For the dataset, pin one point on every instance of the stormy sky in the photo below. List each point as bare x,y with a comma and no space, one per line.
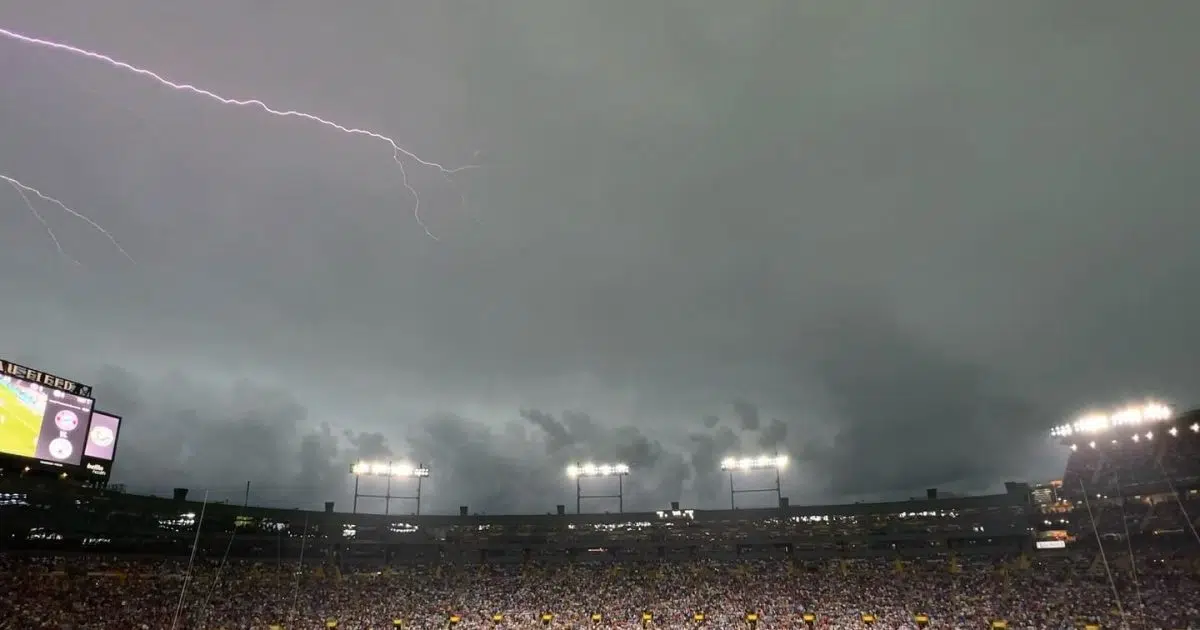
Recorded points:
896,240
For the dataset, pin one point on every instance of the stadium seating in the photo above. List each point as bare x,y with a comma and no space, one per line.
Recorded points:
77,557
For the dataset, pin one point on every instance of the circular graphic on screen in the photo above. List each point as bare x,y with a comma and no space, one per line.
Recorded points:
66,420
60,448
102,436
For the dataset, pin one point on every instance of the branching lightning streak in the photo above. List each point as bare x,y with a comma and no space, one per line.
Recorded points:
397,150
37,215
24,188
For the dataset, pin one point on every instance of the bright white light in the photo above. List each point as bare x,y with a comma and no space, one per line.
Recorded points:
1173,431
1128,416
760,462
597,470
1092,423
1195,427
388,469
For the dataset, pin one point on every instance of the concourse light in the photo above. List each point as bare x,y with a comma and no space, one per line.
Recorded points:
761,462
1195,427
388,469
597,470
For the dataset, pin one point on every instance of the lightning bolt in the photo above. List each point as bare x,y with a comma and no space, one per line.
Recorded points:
24,191
37,215
398,152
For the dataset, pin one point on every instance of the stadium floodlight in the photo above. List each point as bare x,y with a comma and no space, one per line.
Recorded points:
388,471
590,470
1130,416
734,465
761,462
597,470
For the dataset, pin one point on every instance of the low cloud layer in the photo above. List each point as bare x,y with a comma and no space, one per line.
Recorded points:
889,410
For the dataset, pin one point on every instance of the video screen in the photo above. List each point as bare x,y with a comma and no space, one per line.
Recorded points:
42,423
102,437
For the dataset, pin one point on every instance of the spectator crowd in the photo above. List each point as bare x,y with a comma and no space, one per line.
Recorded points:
1154,589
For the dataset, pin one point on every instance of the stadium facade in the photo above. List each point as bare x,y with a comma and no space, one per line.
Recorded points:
66,518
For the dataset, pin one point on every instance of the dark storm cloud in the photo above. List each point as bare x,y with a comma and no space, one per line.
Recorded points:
706,456
747,414
773,434
557,436
905,232
906,410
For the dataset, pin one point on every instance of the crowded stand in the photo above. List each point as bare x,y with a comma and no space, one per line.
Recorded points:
1113,544
49,591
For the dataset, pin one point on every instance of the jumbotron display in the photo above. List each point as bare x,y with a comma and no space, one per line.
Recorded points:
102,437
101,445
43,423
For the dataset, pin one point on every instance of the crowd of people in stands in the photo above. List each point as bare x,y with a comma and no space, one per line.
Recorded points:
1066,591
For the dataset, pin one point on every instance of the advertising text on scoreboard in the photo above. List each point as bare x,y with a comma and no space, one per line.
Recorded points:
17,370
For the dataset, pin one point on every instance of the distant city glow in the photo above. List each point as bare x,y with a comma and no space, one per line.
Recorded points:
761,462
597,470
388,469
1133,415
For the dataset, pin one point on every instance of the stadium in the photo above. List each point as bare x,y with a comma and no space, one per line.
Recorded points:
1113,543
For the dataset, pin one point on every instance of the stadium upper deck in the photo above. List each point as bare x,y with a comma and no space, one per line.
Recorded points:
1135,460
33,516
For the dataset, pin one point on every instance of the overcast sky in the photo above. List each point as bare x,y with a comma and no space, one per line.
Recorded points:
897,240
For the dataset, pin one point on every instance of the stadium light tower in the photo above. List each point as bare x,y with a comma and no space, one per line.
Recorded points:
1130,418
389,471
733,465
579,471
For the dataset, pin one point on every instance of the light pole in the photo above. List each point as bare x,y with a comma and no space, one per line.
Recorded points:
389,471
579,471
734,465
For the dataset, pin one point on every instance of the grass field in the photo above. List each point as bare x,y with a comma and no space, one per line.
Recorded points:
20,422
